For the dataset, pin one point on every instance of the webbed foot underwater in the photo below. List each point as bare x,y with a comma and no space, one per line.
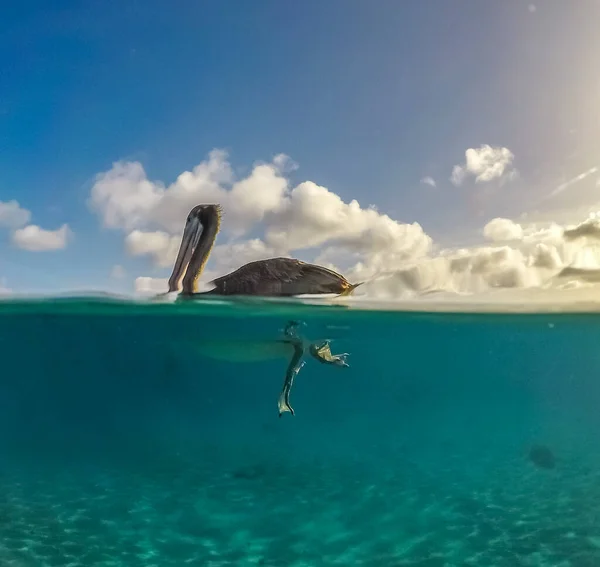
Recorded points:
323,354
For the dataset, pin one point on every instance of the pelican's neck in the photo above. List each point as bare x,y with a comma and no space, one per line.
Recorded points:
200,256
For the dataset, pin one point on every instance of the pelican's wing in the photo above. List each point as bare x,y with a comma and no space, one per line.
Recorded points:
280,276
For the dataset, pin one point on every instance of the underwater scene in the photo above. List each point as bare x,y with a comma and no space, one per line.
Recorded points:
143,434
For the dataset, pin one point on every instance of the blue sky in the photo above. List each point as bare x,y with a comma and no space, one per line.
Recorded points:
368,98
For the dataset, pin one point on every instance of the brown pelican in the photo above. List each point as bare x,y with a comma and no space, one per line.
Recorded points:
272,277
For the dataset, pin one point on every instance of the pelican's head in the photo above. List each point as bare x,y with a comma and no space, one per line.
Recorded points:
201,225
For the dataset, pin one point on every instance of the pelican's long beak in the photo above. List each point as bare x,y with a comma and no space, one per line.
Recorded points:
191,235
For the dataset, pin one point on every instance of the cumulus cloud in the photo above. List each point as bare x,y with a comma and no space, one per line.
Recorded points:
145,285
254,197
428,181
126,199
500,229
284,163
589,228
30,237
485,163
124,195
311,215
543,257
12,215
160,246
36,239
148,286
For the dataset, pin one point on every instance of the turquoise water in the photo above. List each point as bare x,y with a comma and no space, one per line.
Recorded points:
148,435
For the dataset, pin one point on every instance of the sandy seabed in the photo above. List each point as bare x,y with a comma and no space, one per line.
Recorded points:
214,513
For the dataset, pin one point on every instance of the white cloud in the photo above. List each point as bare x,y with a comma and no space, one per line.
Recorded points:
547,258
29,236
124,195
126,199
589,228
160,246
150,286
485,163
12,215
311,215
284,163
250,199
428,181
117,272
500,229
36,239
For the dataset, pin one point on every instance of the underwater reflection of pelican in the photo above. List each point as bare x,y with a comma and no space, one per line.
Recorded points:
243,351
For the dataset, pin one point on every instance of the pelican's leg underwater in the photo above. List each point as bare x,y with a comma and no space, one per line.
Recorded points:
295,365
321,352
